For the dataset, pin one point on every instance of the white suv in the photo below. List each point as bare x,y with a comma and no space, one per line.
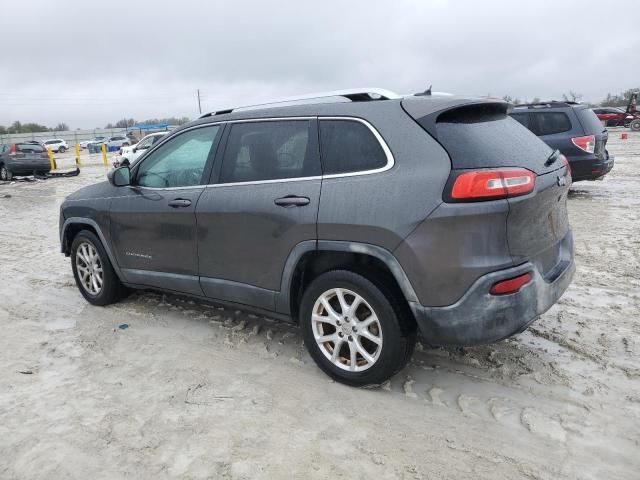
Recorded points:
56,145
132,152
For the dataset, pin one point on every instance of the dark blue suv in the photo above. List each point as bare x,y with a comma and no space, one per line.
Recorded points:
575,130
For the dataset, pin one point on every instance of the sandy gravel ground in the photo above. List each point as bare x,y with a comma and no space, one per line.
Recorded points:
197,391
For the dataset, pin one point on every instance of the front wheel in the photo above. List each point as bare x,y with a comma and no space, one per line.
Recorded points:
635,125
62,150
352,329
93,272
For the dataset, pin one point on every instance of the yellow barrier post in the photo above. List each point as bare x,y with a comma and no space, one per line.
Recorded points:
104,155
77,155
52,161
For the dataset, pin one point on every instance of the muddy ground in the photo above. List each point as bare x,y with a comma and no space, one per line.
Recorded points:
191,390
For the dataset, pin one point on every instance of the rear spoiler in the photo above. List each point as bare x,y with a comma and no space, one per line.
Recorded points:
427,111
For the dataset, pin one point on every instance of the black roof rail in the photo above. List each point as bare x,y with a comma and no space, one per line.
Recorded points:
355,95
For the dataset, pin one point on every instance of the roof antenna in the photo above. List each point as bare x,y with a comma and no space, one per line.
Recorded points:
426,93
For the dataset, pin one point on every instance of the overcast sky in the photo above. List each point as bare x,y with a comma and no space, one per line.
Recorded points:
89,63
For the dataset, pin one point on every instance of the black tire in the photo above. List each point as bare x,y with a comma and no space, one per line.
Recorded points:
5,173
635,125
112,289
62,150
398,340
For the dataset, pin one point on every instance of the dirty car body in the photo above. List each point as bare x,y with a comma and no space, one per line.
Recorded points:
461,220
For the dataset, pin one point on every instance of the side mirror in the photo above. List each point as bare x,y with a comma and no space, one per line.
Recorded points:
119,177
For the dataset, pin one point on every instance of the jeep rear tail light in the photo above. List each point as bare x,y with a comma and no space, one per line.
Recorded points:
13,149
586,144
512,285
492,184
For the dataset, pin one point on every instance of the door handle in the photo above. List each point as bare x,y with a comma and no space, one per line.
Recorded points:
292,201
179,202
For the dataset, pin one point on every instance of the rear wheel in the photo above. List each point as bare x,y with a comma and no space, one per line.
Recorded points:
352,329
635,125
5,174
93,272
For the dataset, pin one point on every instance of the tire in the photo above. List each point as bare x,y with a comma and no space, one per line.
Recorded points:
84,246
5,174
386,356
635,125
62,150
124,145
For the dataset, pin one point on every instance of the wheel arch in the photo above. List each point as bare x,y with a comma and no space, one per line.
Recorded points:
310,259
74,225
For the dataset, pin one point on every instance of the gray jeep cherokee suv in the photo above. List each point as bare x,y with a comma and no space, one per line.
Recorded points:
366,221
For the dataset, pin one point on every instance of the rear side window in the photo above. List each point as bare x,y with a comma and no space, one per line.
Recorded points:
589,120
549,123
479,137
270,150
349,146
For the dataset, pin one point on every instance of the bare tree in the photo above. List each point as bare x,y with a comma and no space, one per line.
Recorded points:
572,97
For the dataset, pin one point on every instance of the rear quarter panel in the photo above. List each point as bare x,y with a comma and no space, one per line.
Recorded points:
383,208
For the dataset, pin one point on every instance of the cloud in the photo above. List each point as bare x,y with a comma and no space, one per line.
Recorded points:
88,63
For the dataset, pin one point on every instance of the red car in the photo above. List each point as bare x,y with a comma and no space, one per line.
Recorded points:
613,116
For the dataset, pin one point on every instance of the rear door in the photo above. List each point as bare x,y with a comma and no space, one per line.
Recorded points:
264,201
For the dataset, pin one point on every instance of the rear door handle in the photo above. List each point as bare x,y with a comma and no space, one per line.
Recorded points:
179,203
291,201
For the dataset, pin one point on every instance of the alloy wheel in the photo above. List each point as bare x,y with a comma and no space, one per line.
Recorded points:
89,268
347,329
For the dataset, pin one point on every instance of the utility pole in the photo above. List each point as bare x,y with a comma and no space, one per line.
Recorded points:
199,107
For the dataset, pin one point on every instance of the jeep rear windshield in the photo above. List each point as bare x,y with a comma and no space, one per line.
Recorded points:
589,120
482,136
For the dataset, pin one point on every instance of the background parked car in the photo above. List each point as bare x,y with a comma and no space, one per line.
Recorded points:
132,152
23,159
57,145
613,116
575,130
85,143
118,141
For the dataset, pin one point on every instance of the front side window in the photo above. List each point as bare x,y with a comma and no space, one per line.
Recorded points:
270,150
349,146
180,162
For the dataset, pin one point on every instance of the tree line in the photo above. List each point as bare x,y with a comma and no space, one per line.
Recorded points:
32,127
19,127
611,100
130,122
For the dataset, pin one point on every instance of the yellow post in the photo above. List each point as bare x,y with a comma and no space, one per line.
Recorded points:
104,155
77,155
52,160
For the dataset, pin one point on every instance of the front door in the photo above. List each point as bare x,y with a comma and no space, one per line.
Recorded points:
153,226
264,202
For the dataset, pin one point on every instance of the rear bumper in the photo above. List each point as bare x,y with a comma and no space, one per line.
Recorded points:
28,167
480,318
589,167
